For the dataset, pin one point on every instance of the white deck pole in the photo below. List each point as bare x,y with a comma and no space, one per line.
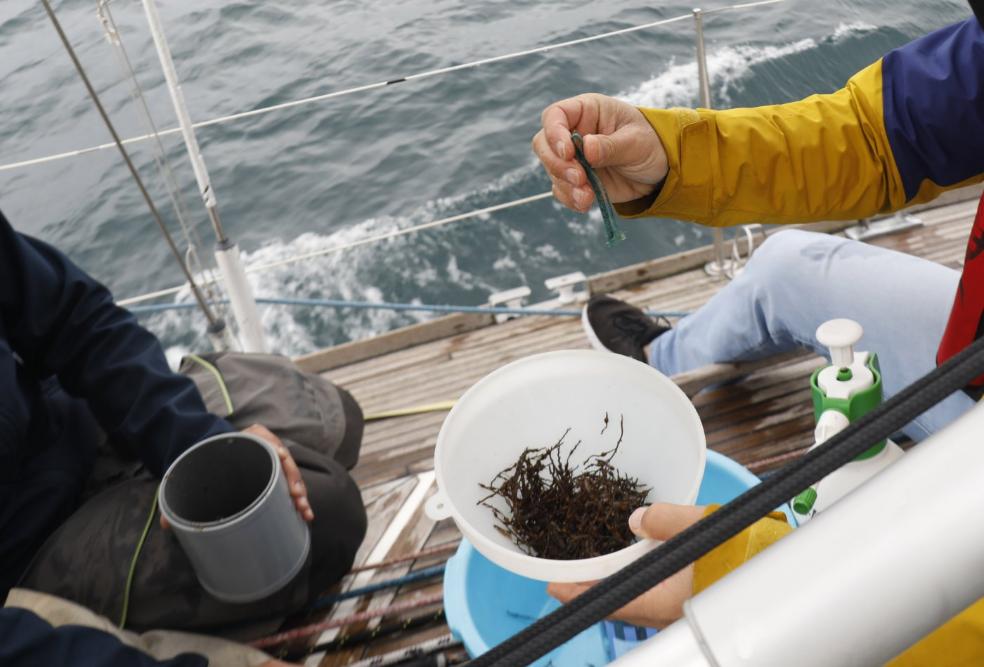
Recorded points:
227,252
240,297
890,562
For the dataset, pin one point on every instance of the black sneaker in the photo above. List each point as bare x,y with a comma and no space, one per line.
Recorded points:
618,327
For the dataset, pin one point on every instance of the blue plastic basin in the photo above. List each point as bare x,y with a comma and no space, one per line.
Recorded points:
485,604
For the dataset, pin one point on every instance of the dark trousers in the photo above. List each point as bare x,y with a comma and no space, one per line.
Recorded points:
103,500
48,486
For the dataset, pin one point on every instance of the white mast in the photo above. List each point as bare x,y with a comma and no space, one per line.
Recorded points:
227,252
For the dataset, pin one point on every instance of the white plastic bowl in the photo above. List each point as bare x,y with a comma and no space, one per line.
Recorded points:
530,403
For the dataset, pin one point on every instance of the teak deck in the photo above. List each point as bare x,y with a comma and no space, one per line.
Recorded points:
760,415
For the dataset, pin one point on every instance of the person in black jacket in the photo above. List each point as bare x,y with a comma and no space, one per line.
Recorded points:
74,366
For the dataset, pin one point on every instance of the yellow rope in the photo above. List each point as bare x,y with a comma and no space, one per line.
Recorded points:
133,561
218,378
443,406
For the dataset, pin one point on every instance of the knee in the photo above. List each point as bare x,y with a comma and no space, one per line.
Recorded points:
789,255
348,451
339,524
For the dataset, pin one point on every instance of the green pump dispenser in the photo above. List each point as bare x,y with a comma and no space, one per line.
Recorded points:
854,397
854,407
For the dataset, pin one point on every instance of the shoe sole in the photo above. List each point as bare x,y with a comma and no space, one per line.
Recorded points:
593,339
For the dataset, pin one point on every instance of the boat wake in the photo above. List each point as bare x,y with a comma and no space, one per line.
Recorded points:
436,266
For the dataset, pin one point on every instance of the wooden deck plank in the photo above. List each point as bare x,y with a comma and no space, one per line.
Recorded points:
528,328
394,340
437,350
381,511
404,429
413,532
444,532
447,381
395,465
549,336
745,446
760,380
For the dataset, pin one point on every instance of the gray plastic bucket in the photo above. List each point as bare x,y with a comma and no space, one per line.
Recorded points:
228,504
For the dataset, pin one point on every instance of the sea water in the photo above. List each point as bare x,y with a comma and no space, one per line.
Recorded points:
332,172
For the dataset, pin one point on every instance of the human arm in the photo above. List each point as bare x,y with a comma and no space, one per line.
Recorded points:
61,322
900,132
662,605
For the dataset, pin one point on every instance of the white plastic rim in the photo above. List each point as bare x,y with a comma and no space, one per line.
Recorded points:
530,403
228,504
240,515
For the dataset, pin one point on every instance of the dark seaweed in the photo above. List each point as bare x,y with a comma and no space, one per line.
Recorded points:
562,511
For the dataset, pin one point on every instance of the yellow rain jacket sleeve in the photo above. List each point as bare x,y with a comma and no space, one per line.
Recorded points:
739,548
826,157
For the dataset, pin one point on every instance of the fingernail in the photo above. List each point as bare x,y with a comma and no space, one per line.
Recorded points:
571,176
298,484
579,197
561,149
309,515
635,520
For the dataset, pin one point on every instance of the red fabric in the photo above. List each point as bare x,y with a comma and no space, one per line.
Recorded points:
966,323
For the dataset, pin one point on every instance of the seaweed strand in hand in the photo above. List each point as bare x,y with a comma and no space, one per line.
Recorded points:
562,511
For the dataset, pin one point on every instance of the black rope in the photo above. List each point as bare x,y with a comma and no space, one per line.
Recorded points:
686,547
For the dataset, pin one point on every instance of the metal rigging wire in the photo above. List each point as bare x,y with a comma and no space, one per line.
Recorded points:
192,239
213,321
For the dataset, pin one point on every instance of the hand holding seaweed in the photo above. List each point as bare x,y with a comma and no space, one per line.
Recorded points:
613,234
562,511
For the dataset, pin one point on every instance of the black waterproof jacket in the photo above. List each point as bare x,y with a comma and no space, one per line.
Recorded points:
61,331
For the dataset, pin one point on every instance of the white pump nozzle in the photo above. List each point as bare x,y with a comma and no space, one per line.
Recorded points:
840,336
831,423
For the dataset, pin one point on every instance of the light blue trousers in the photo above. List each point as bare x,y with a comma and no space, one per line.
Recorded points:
796,281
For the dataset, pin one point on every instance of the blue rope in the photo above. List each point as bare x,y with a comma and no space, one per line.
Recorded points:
374,305
329,600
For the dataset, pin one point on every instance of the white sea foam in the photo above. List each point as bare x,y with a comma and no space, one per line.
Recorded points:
425,276
547,251
845,30
457,276
505,263
677,84
343,275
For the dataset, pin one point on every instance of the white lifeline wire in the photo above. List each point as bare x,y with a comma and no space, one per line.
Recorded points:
365,87
743,5
347,246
